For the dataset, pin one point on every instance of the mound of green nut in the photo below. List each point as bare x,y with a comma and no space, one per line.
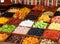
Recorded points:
7,28
40,24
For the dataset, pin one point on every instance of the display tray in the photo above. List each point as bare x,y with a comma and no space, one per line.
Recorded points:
30,24
14,38
19,39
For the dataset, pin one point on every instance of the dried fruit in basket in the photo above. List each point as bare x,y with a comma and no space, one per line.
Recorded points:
21,14
27,23
3,20
13,10
3,36
57,13
14,21
54,26
40,24
47,41
49,13
7,28
30,40
56,19
31,17
50,34
8,14
58,9
35,31
14,39
39,7
44,18
21,30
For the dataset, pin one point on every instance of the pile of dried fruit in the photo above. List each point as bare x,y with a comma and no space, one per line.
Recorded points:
30,40
21,14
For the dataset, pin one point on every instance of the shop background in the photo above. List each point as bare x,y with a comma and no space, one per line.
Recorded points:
33,2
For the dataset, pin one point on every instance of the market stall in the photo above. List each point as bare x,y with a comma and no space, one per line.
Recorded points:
30,24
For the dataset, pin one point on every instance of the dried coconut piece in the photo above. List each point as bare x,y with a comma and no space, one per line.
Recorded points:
21,30
27,23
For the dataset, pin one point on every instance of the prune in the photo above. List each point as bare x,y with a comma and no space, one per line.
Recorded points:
8,14
57,13
36,31
31,17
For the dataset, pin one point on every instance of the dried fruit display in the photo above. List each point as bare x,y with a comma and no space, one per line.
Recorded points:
21,30
40,24
7,14
7,28
13,10
50,34
47,41
31,17
27,23
40,8
30,40
21,14
54,26
58,9
57,13
56,19
36,32
49,13
14,21
44,18
3,36
3,20
14,39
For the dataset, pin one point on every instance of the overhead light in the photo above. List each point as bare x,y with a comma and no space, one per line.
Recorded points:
2,1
